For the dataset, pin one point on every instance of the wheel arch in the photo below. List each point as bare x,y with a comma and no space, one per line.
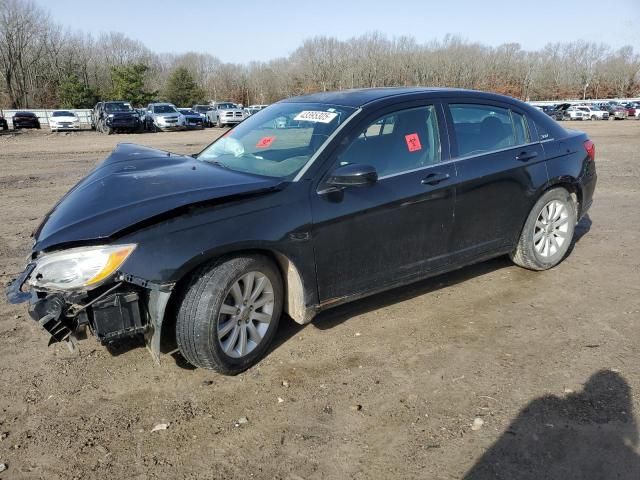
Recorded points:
571,185
568,183
295,289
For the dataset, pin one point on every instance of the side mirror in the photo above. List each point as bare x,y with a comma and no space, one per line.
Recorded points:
352,175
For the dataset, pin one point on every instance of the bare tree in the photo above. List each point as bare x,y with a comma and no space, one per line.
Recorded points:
37,55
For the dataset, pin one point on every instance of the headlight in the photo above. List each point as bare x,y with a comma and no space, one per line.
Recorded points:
84,267
110,115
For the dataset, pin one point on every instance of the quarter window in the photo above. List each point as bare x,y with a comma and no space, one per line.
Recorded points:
398,142
484,128
520,128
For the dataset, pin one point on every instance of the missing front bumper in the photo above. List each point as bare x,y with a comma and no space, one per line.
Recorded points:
133,307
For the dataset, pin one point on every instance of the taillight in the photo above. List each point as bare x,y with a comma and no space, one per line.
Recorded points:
590,147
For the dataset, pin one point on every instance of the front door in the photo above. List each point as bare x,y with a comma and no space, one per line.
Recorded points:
370,237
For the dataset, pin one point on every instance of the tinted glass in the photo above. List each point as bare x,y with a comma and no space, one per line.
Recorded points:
164,109
278,141
520,128
117,107
62,113
483,128
398,142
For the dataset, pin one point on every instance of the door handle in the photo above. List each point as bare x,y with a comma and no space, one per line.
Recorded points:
526,156
435,178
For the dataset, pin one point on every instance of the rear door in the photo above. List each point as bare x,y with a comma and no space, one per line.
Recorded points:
500,167
369,237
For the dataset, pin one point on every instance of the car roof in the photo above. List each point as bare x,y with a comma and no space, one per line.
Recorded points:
362,96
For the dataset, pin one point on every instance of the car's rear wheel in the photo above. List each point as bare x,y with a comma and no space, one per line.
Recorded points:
548,231
230,313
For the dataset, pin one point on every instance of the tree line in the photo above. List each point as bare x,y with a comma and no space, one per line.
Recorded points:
45,65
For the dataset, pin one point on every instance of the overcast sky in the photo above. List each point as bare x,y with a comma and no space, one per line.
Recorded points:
245,30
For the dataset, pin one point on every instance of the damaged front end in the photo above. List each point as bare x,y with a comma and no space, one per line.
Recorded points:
71,290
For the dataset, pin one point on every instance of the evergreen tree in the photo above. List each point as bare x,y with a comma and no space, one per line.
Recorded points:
128,84
72,93
182,90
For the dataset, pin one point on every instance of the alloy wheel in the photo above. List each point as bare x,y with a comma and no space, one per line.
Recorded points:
245,314
551,230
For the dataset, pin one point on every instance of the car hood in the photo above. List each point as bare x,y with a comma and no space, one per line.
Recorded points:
224,110
174,114
63,119
137,184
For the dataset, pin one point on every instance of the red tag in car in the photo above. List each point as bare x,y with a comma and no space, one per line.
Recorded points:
264,142
413,142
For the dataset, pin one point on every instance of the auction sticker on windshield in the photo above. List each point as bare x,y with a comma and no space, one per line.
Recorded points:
264,142
312,116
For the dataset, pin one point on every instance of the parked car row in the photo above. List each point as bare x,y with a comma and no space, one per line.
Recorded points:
592,111
110,117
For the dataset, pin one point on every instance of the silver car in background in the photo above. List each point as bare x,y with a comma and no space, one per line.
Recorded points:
224,114
164,116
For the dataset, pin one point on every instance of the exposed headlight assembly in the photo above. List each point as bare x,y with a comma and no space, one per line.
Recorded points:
78,268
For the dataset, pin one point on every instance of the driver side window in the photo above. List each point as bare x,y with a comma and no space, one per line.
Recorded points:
398,142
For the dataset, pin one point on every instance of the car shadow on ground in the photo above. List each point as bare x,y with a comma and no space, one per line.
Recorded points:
590,434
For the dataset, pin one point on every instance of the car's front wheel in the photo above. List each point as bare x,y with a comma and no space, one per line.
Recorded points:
230,313
548,231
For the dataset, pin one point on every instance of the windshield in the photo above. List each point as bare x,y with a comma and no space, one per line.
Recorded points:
186,111
117,107
277,141
164,109
63,113
203,108
223,106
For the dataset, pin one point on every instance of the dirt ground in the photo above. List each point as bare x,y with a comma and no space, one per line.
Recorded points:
461,376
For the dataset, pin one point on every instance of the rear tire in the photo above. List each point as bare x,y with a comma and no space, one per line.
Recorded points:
548,232
220,324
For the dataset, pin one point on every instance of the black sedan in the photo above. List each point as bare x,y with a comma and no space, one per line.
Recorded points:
25,120
372,189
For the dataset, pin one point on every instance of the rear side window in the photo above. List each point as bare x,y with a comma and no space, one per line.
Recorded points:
484,128
398,142
520,128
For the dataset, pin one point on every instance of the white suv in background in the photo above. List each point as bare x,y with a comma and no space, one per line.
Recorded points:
224,114
574,113
594,113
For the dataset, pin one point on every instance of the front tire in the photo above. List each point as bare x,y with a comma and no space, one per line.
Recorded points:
230,313
548,231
